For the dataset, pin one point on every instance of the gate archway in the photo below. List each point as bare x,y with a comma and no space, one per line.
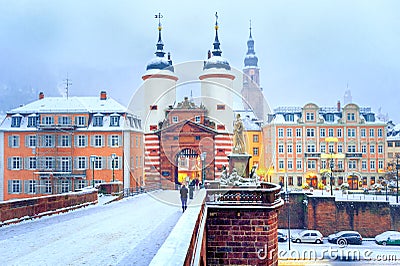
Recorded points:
187,166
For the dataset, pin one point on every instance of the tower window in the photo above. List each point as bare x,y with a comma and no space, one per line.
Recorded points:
153,107
220,106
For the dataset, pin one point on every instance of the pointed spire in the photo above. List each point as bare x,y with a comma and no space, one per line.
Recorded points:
251,58
217,50
160,45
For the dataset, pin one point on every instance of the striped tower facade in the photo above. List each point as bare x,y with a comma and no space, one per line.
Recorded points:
223,147
152,160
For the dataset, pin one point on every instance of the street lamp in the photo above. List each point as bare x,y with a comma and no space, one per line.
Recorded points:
203,156
93,159
331,165
113,156
288,206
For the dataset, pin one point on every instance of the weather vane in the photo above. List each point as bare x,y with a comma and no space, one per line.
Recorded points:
159,16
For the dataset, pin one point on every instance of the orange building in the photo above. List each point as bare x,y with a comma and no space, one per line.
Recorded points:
305,144
61,144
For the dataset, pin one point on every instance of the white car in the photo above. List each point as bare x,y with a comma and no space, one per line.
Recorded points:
308,236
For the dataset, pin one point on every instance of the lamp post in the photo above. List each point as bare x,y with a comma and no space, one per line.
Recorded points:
113,156
93,159
397,178
203,156
288,206
331,165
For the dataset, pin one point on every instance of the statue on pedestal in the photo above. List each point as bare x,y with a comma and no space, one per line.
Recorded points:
238,136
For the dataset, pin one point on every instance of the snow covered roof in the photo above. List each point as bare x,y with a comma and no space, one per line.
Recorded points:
159,63
71,105
216,62
394,133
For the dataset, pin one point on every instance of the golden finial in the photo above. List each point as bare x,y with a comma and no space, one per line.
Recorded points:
216,20
159,16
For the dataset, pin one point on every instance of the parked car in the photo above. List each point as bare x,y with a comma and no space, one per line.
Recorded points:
345,237
308,236
282,237
388,238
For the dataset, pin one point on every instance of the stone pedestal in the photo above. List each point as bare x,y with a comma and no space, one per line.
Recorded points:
240,162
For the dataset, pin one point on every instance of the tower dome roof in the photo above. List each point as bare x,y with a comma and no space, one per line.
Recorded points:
216,60
159,61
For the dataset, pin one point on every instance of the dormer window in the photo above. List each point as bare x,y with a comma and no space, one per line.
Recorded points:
16,120
98,120
174,119
309,116
197,119
351,117
80,121
32,120
114,120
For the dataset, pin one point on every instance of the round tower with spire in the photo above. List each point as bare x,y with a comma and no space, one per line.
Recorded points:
217,86
253,98
159,85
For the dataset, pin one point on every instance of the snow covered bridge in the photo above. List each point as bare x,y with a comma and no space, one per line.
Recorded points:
127,232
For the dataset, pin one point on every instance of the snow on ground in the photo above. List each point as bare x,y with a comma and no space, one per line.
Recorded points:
127,232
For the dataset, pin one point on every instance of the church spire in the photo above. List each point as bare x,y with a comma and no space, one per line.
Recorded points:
251,59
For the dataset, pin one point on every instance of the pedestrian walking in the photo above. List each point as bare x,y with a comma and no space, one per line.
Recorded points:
184,195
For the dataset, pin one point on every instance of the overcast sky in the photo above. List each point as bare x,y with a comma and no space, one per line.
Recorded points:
308,50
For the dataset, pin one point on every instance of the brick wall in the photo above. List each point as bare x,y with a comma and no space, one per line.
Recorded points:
297,213
14,211
240,236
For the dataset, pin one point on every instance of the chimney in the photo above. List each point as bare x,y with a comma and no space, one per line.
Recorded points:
103,95
41,95
338,106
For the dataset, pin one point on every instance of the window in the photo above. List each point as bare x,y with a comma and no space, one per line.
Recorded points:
197,119
48,163
15,163
81,163
340,164
351,117
280,164
113,141
380,164
372,164
331,148
79,184
13,141
255,151
298,148
115,162
290,164
323,164
310,132
153,107
64,141
31,163
372,132
311,164
14,186
64,120
280,148
221,107
64,186
380,148
97,141
290,180
372,148
380,132
364,165
80,121
298,132
255,138
114,120
330,132
372,180
351,148
309,116
98,163
32,121
352,164
322,148
64,164
81,141
30,186
340,148
16,121
290,148
30,141
280,132
175,119
289,132
311,148
137,141
47,141
339,132
299,164
364,149
289,117
322,132
47,187
299,181
351,132
47,120
363,134
98,120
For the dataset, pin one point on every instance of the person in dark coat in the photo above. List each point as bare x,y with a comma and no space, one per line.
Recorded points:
184,195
